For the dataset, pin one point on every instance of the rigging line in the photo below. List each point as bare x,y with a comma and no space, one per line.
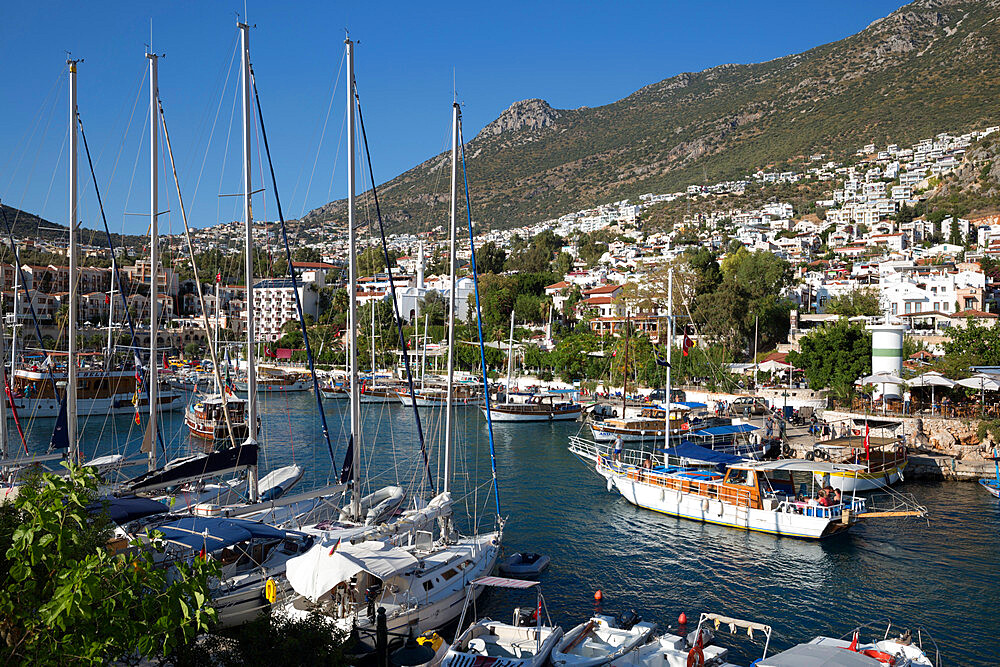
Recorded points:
138,93
392,288
34,163
215,120
131,182
27,137
291,273
128,126
479,317
322,136
111,249
213,353
222,174
27,297
336,160
48,193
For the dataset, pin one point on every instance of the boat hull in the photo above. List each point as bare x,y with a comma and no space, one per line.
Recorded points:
276,388
863,481
501,416
992,487
696,507
48,408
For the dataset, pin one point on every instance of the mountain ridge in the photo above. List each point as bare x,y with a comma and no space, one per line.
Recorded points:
922,69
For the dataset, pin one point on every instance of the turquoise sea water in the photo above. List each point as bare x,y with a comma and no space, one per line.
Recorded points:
943,576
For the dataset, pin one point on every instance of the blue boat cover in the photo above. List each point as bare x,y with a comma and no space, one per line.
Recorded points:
212,533
730,429
691,451
127,508
691,404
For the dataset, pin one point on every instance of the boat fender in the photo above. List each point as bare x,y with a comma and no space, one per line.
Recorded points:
704,505
271,591
611,484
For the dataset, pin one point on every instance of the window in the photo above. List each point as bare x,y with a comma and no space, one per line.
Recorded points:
907,307
895,308
736,476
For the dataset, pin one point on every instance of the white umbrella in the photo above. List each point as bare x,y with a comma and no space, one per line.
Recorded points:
883,379
931,379
982,382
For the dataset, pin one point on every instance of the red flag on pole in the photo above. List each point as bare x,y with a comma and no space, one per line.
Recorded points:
218,277
868,431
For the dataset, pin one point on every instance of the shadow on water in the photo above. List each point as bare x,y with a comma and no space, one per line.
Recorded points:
942,576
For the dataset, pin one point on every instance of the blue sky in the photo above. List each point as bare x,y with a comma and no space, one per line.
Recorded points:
568,53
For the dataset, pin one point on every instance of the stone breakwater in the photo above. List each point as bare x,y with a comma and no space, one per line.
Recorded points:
941,448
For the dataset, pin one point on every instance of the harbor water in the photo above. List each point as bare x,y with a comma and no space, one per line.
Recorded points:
941,575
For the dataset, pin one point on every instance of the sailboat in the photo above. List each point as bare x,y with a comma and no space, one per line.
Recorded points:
542,407
201,482
419,579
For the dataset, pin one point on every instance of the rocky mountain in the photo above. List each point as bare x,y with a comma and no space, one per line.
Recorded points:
929,67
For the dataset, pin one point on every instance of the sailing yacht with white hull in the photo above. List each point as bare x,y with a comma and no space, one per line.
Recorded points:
420,580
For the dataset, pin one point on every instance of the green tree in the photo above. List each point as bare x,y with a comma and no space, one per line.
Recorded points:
976,344
834,356
372,260
68,598
434,307
860,301
490,258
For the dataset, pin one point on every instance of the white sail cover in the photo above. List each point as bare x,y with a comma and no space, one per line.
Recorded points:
439,505
318,570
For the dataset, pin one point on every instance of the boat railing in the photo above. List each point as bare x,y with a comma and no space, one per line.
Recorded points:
820,511
734,495
922,635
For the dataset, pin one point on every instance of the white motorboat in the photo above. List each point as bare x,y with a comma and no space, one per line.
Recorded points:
599,641
524,642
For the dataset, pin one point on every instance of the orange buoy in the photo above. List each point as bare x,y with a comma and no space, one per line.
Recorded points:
598,595
682,619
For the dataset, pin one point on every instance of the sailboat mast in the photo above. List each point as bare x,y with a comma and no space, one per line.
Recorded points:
249,252
625,367
670,344
73,218
423,357
452,297
154,256
510,357
4,448
352,318
13,328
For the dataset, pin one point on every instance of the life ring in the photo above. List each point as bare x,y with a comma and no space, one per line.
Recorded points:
696,657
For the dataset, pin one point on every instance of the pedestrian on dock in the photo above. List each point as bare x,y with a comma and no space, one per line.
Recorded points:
769,427
906,402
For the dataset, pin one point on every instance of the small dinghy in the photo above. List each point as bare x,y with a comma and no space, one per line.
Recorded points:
524,564
601,640
525,642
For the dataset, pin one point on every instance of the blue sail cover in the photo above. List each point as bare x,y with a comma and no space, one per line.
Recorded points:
212,533
692,452
123,509
730,429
